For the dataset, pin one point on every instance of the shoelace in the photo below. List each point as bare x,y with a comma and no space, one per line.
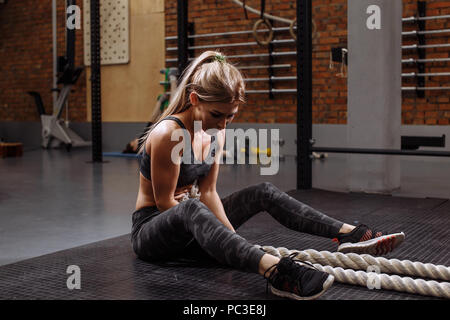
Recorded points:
300,273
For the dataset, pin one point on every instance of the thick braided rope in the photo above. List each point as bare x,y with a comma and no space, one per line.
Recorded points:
387,282
193,193
363,261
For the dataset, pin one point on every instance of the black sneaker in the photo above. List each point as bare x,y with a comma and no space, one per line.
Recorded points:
297,280
362,239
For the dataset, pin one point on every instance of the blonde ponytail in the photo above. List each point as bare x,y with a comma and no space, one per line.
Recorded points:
212,78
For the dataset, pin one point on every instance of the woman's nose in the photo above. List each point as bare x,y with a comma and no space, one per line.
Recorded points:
222,124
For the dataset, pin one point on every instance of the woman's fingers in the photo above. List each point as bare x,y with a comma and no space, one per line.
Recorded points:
180,196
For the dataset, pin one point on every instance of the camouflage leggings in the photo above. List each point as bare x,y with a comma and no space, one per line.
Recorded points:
190,224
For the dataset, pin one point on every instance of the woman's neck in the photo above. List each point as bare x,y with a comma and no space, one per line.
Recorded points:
188,119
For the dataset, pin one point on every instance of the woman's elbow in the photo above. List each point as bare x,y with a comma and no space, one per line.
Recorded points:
164,205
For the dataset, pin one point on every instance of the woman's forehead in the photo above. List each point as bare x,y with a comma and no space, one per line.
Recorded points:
224,107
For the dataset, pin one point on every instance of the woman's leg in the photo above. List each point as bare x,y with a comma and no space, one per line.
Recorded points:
166,235
243,204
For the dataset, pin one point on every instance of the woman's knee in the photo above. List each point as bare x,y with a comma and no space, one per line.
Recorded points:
267,189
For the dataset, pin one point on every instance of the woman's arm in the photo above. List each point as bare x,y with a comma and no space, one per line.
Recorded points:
213,202
207,186
164,169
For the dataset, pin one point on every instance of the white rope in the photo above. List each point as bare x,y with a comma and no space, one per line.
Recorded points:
387,282
193,193
268,16
363,261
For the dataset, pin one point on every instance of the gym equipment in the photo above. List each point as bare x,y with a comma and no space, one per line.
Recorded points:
338,260
193,192
54,130
421,47
183,48
265,22
419,89
11,149
339,58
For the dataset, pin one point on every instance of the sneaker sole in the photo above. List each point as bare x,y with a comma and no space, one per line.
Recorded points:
326,285
377,246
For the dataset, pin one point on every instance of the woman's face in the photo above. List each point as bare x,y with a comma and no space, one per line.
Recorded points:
218,115
215,115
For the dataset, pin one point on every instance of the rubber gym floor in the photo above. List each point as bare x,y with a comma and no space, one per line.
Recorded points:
57,209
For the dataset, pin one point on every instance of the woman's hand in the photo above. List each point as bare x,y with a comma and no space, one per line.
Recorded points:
182,192
180,196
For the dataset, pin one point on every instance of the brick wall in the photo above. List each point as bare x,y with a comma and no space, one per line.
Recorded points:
27,60
26,55
329,91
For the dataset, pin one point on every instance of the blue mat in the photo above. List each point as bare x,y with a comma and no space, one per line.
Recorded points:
122,155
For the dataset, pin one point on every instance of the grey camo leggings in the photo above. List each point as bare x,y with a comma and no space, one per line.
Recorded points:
191,227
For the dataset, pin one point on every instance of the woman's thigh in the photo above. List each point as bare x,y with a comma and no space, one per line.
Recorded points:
164,235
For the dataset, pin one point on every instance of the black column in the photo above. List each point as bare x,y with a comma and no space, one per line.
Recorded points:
96,83
304,94
182,23
422,11
70,39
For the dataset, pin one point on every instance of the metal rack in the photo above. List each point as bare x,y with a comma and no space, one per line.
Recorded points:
271,54
423,18
421,47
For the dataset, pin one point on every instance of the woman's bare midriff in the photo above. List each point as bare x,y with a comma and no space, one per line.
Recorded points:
146,197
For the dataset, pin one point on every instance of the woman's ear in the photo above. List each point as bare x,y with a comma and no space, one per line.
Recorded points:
193,98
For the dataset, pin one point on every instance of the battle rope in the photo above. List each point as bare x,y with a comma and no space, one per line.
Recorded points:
363,261
387,282
193,192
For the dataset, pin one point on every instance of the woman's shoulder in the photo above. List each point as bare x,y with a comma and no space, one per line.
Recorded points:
163,128
161,134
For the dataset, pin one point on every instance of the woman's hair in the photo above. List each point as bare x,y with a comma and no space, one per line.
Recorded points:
211,78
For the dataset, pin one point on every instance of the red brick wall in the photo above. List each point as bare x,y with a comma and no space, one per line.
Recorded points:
26,55
329,91
27,60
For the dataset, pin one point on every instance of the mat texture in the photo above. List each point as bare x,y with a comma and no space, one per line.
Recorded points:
110,270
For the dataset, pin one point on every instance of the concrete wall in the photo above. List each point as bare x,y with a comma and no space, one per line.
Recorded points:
129,92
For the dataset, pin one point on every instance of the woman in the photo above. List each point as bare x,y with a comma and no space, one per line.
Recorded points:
211,91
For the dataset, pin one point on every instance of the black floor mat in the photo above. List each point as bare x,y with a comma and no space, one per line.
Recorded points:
110,270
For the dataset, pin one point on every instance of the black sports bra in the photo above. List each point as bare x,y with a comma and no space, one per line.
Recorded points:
188,172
